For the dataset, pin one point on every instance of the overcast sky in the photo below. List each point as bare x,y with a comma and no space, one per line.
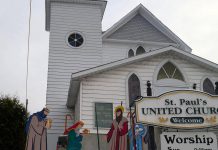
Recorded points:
194,21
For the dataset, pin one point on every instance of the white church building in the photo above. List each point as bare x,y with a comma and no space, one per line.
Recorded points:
89,67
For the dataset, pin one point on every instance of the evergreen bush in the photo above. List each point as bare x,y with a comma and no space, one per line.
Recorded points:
12,124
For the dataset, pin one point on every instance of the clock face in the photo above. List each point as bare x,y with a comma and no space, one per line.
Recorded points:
75,40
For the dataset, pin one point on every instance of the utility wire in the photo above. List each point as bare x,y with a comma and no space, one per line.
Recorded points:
28,51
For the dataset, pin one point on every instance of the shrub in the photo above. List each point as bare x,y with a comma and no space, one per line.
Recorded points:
12,124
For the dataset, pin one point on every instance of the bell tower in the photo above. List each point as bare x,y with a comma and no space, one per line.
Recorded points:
75,31
75,44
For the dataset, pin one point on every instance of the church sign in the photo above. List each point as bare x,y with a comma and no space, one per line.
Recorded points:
185,109
188,141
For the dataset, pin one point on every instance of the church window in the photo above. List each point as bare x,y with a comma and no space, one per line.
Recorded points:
104,113
208,86
130,53
134,88
140,50
75,40
170,71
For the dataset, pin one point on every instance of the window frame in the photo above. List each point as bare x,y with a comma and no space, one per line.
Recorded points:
140,53
170,82
202,82
169,76
127,87
95,125
78,32
128,53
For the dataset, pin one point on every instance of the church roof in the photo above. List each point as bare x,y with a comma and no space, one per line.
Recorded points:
138,28
170,49
142,26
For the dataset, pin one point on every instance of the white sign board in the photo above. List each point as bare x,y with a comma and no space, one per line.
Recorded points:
188,141
179,109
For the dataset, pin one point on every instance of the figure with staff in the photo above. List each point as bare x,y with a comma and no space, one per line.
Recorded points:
117,135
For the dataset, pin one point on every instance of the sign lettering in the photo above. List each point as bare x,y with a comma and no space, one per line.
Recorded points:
188,141
179,109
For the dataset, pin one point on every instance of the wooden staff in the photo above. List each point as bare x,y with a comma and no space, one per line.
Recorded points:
66,118
96,116
132,124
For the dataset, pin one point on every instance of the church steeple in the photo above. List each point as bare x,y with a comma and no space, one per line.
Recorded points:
75,44
75,27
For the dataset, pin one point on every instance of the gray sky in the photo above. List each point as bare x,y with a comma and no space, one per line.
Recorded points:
194,21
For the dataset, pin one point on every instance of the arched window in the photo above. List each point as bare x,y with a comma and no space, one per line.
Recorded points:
133,88
140,50
130,53
169,71
208,86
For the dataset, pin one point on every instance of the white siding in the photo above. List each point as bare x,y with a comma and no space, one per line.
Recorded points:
110,86
113,51
116,51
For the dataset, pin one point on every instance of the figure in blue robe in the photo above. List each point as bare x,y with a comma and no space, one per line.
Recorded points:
36,131
140,132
